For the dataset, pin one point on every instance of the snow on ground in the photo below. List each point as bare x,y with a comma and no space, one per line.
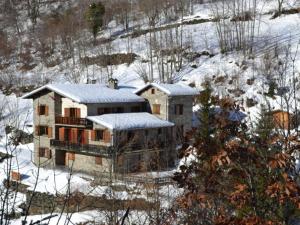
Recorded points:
89,217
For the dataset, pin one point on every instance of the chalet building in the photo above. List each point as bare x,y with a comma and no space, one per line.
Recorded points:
97,128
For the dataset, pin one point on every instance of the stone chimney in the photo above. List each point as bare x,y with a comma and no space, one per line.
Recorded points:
113,83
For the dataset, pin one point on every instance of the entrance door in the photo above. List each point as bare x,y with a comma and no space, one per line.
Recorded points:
60,158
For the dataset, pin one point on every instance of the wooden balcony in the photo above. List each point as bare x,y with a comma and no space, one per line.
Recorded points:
81,148
73,121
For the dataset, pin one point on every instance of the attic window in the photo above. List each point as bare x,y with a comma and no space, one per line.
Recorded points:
153,91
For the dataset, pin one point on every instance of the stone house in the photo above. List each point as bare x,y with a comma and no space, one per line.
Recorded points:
96,128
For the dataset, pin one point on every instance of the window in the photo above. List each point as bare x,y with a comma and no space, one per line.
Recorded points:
153,91
130,135
156,109
180,132
178,109
98,160
42,110
159,131
42,130
146,132
99,135
45,153
135,109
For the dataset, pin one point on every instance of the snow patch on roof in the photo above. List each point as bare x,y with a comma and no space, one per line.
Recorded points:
172,89
130,121
90,93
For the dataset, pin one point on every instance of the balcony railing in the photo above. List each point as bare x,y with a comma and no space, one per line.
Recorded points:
81,148
72,121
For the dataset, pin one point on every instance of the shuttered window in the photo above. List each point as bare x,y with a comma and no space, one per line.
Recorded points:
72,112
156,109
43,110
106,136
178,109
43,131
45,153
99,135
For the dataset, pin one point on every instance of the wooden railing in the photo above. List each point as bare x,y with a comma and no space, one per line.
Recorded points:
72,121
81,148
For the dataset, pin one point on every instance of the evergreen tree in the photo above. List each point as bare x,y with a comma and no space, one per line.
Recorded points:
94,16
265,124
205,114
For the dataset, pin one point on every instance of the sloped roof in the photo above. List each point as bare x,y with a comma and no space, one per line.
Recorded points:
129,121
171,89
89,93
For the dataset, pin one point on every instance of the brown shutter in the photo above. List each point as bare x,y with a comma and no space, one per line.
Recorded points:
41,152
71,156
37,130
106,136
46,110
93,135
48,153
38,109
49,132
67,112
78,113
61,134
74,136
86,137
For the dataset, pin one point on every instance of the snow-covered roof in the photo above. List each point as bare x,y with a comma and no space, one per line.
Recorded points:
171,89
233,115
130,121
89,93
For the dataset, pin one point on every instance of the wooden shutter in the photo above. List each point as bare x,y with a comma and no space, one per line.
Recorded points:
106,136
61,134
93,135
38,109
78,113
86,137
98,160
156,109
71,156
41,152
48,153
46,110
37,130
74,136
67,112
49,132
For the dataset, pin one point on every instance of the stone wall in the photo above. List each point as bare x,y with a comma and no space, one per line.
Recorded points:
43,141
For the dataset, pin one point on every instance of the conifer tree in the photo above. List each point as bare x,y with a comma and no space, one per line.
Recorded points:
94,16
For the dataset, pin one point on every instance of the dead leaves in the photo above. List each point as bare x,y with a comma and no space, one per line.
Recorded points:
280,160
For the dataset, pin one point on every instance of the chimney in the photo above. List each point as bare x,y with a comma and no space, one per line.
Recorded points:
113,83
